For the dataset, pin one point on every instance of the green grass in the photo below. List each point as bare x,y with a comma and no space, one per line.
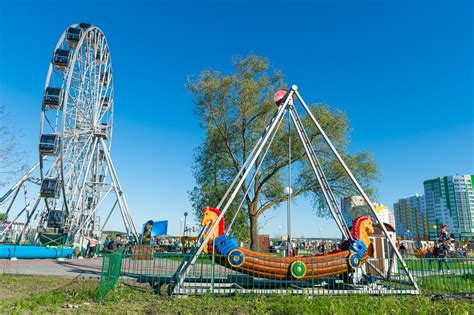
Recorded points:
200,260
423,264
443,284
50,294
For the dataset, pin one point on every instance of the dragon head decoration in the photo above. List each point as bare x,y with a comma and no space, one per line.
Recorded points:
362,228
209,216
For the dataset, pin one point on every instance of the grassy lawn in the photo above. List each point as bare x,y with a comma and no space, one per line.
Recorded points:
451,284
200,260
20,294
423,264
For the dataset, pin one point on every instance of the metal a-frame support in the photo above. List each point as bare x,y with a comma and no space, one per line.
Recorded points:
121,201
232,191
13,193
359,188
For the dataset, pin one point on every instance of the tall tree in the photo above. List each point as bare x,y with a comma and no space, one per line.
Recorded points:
234,109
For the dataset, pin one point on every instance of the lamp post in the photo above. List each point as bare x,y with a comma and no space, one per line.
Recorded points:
181,233
408,234
288,192
184,230
279,232
184,233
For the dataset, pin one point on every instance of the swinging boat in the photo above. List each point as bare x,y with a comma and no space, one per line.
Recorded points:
355,249
349,256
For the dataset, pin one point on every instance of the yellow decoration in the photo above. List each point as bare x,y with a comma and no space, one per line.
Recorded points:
366,229
209,216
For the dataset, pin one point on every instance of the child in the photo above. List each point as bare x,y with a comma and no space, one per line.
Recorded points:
443,234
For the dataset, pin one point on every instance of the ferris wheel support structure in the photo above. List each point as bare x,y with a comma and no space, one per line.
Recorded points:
75,172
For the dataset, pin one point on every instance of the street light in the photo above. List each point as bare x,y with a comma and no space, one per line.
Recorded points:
288,192
320,229
181,226
184,230
279,231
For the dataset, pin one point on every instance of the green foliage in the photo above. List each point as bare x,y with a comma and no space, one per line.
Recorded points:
234,109
3,217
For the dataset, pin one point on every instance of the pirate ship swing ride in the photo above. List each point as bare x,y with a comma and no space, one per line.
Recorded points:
355,249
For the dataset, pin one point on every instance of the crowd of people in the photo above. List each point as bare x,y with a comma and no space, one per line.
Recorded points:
438,250
443,248
304,246
91,247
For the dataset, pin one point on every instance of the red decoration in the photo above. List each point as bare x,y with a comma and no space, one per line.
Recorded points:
356,225
221,222
279,95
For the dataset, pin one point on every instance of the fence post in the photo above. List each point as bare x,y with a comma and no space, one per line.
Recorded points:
213,265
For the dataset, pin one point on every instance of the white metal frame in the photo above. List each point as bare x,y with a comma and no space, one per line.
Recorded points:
83,166
289,106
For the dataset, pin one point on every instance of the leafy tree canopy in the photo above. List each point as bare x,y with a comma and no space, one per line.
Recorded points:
234,109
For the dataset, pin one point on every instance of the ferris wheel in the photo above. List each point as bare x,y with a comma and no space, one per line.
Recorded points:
76,172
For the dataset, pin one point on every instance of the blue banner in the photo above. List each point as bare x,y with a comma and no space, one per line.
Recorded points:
151,229
159,228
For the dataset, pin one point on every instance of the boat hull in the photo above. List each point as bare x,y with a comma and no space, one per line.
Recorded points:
272,267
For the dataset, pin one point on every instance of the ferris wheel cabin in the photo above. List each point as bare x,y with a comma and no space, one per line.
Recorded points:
105,78
99,56
49,144
73,34
55,219
105,102
84,26
52,98
61,58
50,188
103,130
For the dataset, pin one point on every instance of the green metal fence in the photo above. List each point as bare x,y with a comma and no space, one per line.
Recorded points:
111,272
152,273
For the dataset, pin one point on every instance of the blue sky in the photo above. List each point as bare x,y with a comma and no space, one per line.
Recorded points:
402,71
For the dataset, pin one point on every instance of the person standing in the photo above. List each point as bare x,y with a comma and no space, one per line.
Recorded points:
430,255
443,257
92,246
117,243
105,248
443,233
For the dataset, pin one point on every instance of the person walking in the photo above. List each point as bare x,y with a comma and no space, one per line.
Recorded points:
443,257
430,255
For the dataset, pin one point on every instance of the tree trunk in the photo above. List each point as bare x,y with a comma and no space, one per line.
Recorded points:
253,218
253,231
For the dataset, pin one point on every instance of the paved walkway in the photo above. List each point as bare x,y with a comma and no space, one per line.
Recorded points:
69,267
